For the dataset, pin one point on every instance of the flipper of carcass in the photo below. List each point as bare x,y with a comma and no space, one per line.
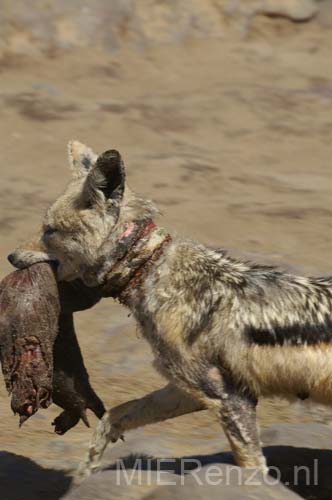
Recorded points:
40,356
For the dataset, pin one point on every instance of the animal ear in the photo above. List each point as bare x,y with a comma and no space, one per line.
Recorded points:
81,158
107,178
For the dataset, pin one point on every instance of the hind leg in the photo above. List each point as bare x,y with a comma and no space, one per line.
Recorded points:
237,408
238,419
168,402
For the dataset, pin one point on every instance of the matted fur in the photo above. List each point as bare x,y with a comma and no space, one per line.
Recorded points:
223,331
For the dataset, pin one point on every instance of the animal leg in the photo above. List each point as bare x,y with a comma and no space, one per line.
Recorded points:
237,407
168,402
238,419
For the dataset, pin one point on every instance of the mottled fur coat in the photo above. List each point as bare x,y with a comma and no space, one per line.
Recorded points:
223,332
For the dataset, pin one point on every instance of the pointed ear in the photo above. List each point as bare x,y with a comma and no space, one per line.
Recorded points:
81,158
106,181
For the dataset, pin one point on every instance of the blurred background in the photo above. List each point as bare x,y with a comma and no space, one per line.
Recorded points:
222,112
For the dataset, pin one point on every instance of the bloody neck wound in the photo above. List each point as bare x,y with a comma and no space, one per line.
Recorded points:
140,245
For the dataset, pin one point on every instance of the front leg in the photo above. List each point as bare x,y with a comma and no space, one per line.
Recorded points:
168,402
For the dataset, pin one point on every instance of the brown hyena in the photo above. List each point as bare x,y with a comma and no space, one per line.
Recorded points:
223,332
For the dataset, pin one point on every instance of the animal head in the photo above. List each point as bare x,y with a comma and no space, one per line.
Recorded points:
93,211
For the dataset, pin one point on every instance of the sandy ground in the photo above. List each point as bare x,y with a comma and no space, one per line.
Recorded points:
231,137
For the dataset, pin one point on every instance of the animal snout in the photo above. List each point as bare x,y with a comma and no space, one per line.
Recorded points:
12,258
15,258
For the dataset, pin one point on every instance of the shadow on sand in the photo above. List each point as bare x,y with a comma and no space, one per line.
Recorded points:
23,479
305,471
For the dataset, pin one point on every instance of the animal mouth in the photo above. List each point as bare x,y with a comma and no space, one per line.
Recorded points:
65,274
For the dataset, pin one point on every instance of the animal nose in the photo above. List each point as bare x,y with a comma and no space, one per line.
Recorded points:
11,258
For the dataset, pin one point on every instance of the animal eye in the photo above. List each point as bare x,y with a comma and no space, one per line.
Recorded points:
49,230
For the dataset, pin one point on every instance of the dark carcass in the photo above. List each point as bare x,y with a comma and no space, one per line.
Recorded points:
40,355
